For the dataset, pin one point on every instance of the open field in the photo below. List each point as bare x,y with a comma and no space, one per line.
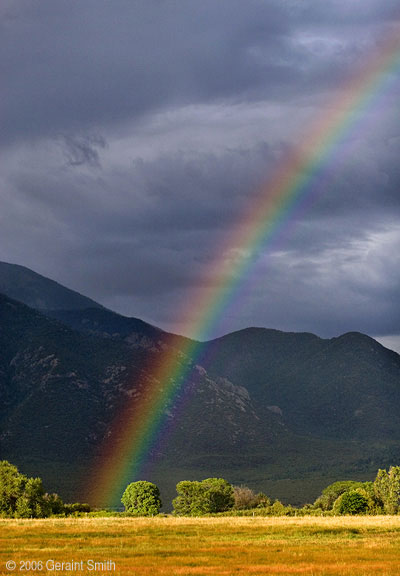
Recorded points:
353,546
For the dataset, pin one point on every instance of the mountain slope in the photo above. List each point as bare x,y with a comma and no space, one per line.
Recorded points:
39,292
346,387
109,324
61,391
77,311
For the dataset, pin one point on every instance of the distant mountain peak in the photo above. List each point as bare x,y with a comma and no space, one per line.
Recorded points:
37,291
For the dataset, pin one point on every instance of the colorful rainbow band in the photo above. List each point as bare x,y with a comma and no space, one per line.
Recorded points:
138,428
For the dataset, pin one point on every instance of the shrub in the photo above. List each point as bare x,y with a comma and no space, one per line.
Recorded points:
332,492
141,498
76,509
351,502
277,509
262,500
246,499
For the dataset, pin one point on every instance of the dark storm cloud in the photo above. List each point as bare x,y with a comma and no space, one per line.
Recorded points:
81,150
136,134
74,65
166,214
84,64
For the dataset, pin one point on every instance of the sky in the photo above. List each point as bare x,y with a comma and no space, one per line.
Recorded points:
136,134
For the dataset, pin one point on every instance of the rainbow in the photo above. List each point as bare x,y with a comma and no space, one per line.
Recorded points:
140,426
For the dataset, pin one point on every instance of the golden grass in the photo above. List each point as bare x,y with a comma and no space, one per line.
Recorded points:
345,546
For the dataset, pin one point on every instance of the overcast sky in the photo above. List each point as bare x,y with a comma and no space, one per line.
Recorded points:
135,135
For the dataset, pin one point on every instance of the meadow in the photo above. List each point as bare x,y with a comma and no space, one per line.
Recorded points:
353,546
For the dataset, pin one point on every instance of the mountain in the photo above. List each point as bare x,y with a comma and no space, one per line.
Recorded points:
75,310
345,387
109,324
286,413
38,291
61,390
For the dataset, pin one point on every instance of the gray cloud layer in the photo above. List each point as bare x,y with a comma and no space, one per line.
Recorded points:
136,134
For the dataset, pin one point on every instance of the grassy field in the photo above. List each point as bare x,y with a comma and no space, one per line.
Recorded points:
353,546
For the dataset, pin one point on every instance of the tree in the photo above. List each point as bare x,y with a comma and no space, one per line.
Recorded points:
55,503
387,489
351,502
142,498
219,494
12,485
332,492
246,498
22,497
262,500
210,496
190,501
32,502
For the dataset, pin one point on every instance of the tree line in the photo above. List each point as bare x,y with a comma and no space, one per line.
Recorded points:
217,496
23,497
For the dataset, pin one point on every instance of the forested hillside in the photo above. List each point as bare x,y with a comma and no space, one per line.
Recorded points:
286,413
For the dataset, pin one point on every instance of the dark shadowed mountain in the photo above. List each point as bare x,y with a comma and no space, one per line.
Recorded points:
39,292
60,391
345,387
74,310
283,412
108,324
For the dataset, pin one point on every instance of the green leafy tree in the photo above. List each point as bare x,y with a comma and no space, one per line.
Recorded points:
262,500
23,497
332,492
12,485
387,489
219,494
32,502
189,501
56,505
277,509
375,505
142,498
210,496
351,502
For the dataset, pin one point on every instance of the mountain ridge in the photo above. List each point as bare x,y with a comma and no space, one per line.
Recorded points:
25,285
285,412
52,375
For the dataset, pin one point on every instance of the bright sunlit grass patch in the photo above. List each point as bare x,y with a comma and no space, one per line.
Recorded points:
344,546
